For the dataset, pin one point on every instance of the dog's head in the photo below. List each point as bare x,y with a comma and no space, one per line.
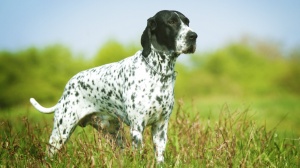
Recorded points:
168,32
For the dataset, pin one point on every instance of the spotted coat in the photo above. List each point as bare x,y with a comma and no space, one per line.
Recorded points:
138,91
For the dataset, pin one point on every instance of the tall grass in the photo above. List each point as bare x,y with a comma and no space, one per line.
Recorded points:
234,140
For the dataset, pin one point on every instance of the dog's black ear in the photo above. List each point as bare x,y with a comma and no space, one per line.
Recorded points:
146,37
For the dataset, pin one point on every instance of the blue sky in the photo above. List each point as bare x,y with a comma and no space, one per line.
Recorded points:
85,25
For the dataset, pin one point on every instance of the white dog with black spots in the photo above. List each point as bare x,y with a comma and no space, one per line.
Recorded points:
138,90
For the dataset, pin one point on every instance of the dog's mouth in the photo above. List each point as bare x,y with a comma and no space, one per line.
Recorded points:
190,49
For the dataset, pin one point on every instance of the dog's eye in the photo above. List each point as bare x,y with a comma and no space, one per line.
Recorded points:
172,22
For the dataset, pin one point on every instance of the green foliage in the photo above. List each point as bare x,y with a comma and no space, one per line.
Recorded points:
290,80
239,70
36,73
113,51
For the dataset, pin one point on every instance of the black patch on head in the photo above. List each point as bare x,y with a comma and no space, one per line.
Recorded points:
161,31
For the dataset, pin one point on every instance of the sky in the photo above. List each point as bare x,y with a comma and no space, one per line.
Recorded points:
84,26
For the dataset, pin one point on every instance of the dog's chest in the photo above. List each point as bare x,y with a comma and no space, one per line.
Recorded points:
148,96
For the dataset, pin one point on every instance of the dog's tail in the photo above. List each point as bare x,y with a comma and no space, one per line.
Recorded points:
41,108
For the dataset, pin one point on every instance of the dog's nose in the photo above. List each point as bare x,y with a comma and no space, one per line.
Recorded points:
192,35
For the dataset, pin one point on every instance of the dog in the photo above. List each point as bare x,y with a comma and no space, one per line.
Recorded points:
138,91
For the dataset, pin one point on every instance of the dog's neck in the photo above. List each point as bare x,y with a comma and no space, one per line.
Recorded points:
161,63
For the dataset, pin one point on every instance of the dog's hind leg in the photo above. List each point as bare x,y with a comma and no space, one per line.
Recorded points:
62,130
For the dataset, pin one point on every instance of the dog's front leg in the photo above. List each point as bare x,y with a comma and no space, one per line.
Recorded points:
136,132
159,136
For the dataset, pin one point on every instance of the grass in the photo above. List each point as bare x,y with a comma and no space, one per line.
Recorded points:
280,112
195,139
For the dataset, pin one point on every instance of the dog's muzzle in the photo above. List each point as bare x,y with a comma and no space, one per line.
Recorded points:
191,42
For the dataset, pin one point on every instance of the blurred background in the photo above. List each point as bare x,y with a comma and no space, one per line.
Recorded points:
248,53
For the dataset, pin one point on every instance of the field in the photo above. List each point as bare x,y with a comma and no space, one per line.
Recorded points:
237,106
204,132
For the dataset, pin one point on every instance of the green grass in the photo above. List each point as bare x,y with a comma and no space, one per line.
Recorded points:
281,113
225,135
